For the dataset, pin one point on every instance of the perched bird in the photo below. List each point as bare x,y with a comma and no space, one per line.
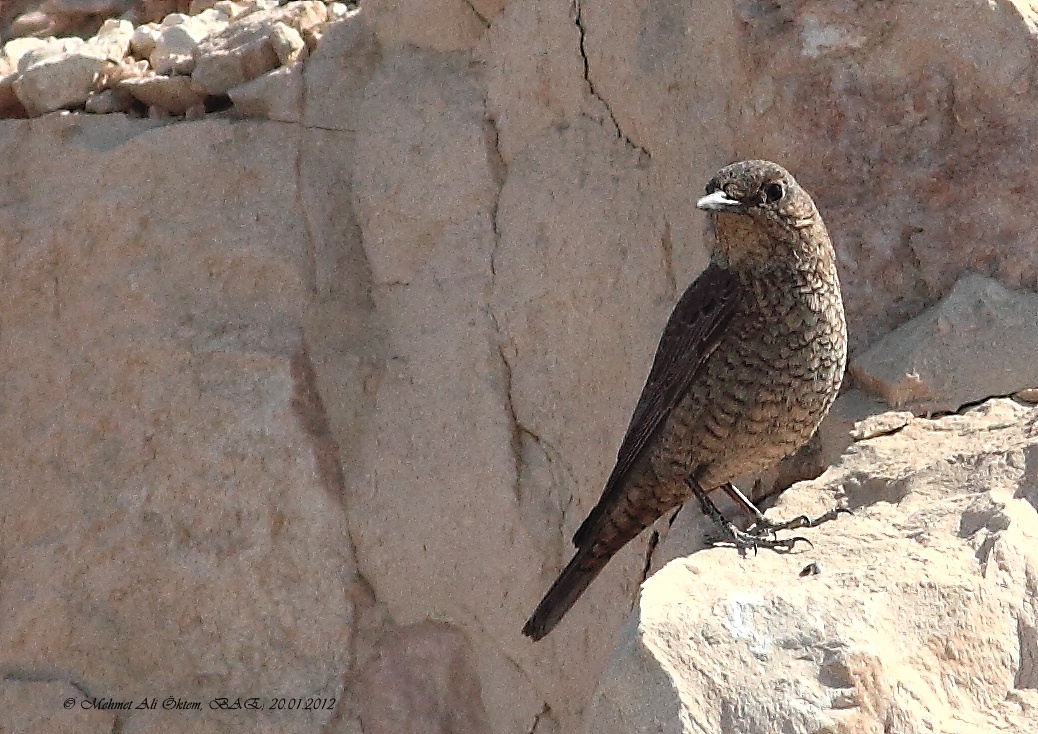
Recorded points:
749,363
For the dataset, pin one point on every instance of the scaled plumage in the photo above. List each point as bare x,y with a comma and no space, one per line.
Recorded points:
749,363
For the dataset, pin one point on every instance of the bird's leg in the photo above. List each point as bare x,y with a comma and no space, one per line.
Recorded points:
763,526
744,502
732,534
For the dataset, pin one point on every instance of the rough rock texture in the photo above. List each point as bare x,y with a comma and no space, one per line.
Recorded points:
172,508
980,340
310,403
57,17
916,614
911,124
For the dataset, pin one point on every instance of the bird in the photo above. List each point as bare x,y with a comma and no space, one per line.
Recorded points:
749,362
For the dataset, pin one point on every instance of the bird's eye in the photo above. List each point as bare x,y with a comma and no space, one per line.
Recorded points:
773,192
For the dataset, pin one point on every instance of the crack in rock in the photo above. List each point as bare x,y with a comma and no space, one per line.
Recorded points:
576,10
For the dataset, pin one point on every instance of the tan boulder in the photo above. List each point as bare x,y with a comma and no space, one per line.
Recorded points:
915,614
172,517
978,341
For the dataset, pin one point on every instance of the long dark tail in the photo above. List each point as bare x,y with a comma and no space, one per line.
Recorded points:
572,582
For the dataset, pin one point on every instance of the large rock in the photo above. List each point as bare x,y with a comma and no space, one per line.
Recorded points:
447,542
916,614
58,82
979,341
908,122
173,519
476,219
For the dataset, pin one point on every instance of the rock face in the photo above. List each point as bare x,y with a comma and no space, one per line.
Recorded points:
978,340
173,503
916,614
309,404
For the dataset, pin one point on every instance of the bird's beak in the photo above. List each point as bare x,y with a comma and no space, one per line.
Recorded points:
720,202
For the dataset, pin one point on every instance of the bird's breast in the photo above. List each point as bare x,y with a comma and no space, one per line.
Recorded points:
765,388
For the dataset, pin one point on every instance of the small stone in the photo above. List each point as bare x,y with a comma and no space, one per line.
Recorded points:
174,49
33,22
107,102
1028,395
226,62
113,40
57,82
276,95
50,47
15,49
229,8
244,50
174,19
881,425
197,6
340,11
144,38
975,343
172,94
288,44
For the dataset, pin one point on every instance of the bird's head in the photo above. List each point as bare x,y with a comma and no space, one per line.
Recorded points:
760,214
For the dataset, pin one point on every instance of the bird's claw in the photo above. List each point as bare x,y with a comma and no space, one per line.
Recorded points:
744,540
769,528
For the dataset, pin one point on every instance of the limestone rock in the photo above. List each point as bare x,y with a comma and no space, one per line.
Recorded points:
977,342
32,53
55,74
423,673
170,483
244,50
144,39
113,39
174,94
340,11
920,619
907,119
288,44
63,17
337,72
232,9
58,81
16,48
423,192
276,95
424,309
178,39
419,172
438,25
534,72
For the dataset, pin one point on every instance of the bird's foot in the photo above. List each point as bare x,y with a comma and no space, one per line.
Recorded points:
744,540
731,534
764,527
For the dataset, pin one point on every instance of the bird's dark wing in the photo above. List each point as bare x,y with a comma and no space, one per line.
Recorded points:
691,334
